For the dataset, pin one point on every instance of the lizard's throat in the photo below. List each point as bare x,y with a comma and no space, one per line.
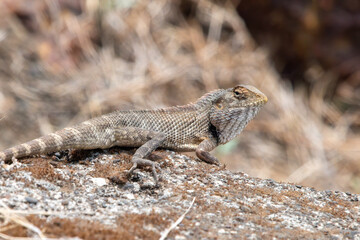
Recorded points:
233,122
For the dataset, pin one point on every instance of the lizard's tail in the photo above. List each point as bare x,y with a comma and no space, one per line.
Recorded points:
49,143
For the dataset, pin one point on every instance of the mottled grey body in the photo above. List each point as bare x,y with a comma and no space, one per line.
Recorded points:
214,119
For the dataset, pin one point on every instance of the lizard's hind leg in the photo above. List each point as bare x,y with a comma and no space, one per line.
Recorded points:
150,141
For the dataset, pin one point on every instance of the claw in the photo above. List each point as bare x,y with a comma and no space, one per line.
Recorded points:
157,165
155,175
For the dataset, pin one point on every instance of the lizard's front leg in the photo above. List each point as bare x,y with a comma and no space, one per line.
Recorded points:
152,141
202,151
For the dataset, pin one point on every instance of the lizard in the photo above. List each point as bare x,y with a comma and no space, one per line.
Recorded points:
214,119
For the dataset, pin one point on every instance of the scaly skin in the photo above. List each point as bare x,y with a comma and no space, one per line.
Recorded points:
214,119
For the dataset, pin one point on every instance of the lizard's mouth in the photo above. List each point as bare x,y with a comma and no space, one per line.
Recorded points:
254,103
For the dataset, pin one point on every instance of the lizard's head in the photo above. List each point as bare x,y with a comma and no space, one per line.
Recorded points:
232,111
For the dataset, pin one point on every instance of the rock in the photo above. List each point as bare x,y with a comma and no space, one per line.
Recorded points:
99,181
31,200
230,205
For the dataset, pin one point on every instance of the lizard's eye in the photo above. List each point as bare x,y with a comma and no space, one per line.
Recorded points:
239,94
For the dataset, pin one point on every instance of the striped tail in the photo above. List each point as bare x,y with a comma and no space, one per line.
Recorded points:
49,143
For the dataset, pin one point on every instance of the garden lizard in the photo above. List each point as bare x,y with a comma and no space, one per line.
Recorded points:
214,119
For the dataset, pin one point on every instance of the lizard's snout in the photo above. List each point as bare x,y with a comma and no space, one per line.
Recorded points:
261,97
265,99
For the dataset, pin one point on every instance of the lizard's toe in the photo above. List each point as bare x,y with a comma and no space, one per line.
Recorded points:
137,162
132,169
157,166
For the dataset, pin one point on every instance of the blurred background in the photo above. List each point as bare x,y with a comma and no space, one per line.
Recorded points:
65,61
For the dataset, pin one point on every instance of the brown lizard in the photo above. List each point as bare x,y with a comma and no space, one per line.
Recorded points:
214,119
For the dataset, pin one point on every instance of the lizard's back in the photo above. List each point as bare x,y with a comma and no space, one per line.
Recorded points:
183,128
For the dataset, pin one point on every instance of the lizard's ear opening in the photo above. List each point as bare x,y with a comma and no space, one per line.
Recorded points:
219,105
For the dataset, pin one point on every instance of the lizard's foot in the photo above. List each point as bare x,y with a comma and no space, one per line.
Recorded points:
10,161
207,157
139,162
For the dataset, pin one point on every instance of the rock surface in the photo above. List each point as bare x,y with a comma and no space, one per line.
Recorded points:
92,199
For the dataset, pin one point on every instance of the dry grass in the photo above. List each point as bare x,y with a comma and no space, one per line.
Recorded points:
11,220
63,62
